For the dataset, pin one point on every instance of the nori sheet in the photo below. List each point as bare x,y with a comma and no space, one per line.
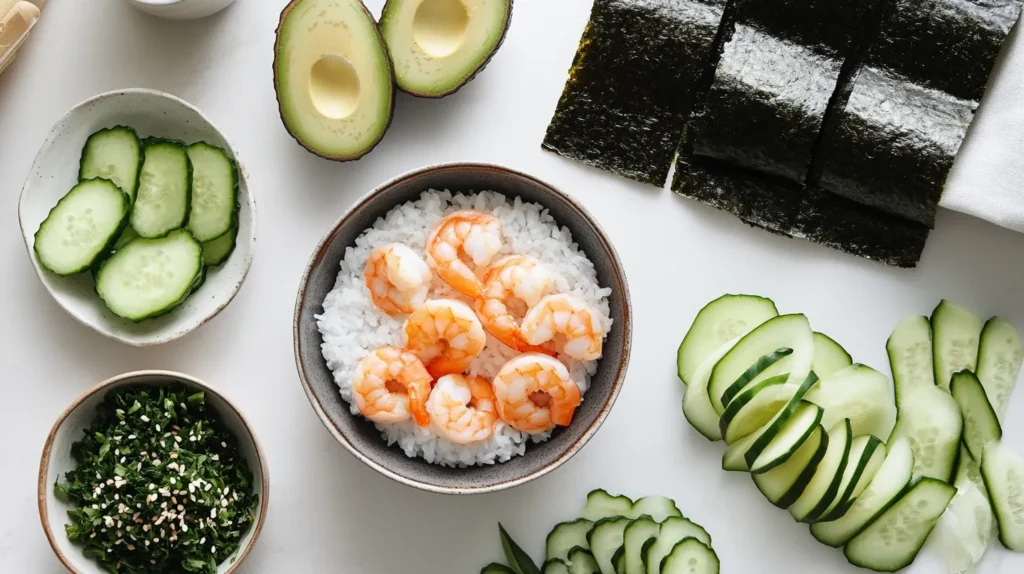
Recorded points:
632,84
826,26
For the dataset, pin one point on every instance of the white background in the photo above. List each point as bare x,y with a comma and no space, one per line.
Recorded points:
328,512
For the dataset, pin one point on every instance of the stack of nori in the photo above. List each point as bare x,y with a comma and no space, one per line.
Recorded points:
632,84
894,143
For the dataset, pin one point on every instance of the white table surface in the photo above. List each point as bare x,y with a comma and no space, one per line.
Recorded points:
329,512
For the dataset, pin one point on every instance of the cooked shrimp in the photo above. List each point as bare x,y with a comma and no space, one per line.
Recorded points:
391,385
534,393
397,277
460,239
462,408
565,322
445,334
510,287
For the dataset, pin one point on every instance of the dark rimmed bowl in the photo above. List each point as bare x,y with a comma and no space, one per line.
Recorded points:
358,435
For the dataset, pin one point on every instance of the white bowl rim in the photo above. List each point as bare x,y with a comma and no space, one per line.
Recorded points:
42,487
250,200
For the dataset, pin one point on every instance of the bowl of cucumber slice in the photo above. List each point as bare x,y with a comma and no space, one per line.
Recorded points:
137,216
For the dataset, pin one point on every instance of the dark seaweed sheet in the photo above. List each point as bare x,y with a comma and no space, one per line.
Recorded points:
632,84
826,26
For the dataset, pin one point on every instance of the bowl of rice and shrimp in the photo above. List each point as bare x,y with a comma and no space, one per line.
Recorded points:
463,328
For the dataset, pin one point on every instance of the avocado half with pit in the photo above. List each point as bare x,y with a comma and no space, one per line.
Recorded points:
333,78
439,45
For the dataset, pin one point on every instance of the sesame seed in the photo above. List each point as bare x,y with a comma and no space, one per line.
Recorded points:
157,428
144,418
131,437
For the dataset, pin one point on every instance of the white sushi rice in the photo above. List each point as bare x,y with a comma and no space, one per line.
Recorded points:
352,326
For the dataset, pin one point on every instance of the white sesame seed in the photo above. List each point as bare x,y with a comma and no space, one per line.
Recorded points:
173,480
213,550
131,437
224,445
157,428
192,438
213,513
177,439
144,418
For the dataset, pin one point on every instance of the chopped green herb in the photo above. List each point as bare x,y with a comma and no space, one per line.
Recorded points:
160,485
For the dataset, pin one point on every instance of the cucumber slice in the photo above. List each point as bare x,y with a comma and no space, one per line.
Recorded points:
829,356
893,539
555,567
216,251
910,356
657,507
785,331
968,469
115,154
696,405
127,235
1000,353
164,193
690,556
214,192
752,376
495,568
519,561
866,455
582,562
724,319
82,227
566,536
1003,473
637,534
785,483
673,531
931,419
150,277
605,539
800,426
981,426
600,505
964,530
858,393
619,560
824,485
755,406
956,333
883,490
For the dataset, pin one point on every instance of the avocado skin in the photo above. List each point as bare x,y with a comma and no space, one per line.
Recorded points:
466,79
391,71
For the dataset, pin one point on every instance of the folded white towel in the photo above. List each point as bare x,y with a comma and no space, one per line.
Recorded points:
987,180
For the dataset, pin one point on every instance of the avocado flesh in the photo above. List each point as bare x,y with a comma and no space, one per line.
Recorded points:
439,45
333,78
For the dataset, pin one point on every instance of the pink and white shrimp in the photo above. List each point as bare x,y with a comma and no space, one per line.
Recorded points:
460,243
397,277
510,287
534,393
462,408
445,334
566,323
392,385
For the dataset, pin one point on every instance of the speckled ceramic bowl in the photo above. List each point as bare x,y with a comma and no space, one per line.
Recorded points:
57,459
357,434
55,171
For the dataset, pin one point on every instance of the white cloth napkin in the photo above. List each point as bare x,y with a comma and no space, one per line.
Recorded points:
987,180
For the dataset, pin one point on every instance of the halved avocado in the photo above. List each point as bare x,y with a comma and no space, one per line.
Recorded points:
439,45
333,78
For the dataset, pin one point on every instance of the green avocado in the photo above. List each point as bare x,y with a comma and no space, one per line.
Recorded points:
333,78
439,45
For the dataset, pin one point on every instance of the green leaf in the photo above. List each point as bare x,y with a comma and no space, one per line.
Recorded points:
518,559
104,450
135,407
61,492
199,397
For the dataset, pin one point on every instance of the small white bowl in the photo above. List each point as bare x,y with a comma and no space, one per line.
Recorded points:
56,460
181,9
55,171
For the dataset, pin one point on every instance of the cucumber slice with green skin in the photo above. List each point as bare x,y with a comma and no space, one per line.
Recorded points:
82,228
981,425
600,505
605,539
619,560
150,277
735,456
785,331
216,251
555,567
964,530
690,556
1003,473
696,405
801,424
727,318
127,235
893,539
214,204
858,393
824,485
162,203
883,490
567,536
754,407
495,568
910,356
969,469
582,562
637,534
785,483
115,154
866,456
657,507
931,419
751,377
673,531
519,561
956,333
1000,353
829,356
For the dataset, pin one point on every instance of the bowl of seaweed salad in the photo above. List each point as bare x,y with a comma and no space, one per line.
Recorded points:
152,471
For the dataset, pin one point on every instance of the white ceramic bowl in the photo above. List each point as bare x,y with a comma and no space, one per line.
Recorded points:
57,459
181,9
55,171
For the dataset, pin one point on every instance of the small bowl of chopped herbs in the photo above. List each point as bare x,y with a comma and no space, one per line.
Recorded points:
155,472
